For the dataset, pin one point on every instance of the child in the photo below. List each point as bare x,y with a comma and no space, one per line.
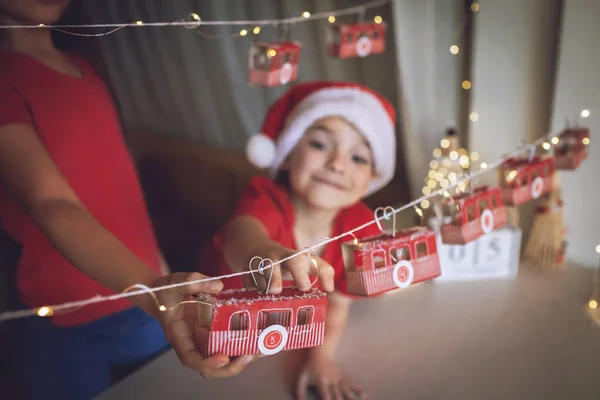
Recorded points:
71,199
328,145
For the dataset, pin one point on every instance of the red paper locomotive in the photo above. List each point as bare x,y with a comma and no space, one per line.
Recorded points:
390,261
247,321
273,63
467,216
522,180
356,40
571,149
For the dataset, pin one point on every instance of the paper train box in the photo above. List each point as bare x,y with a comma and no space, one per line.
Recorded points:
469,215
356,40
572,148
495,255
246,321
273,63
384,262
521,180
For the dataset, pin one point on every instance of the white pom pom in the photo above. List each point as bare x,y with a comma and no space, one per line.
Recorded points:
260,150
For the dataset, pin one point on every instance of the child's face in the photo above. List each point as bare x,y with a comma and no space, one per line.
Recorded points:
332,165
34,11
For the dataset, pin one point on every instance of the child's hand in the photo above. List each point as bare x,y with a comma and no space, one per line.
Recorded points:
321,371
300,269
179,335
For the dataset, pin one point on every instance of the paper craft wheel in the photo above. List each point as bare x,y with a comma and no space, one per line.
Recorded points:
272,340
285,74
403,274
487,221
363,46
537,187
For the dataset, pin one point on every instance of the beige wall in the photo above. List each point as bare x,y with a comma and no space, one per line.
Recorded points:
578,88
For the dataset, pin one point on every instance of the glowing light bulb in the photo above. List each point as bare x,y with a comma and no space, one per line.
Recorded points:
454,49
474,156
306,14
593,304
463,161
439,176
433,164
195,16
512,175
443,170
378,19
598,249
446,194
139,23
432,174
45,311
555,140
452,176
585,113
437,152
162,308
474,116
271,53
424,205
426,190
453,155
331,19
432,183
256,30
462,151
243,32
483,165
445,143
466,84
475,7
585,141
444,183
546,146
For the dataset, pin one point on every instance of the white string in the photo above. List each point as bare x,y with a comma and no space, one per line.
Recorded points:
98,299
261,22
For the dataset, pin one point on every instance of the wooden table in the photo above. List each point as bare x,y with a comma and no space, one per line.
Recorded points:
526,338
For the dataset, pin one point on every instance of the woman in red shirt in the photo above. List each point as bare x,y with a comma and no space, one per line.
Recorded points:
70,197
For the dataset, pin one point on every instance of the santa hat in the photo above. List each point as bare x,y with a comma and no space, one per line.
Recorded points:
289,117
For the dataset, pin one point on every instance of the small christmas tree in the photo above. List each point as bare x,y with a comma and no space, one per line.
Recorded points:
450,164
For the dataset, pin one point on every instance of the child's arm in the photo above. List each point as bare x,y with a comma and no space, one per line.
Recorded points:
34,181
321,369
246,237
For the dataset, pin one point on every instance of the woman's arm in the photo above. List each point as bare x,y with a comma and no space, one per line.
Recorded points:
34,181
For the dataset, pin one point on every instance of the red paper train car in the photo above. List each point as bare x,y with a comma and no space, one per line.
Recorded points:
382,263
572,148
273,63
356,40
521,181
246,321
469,215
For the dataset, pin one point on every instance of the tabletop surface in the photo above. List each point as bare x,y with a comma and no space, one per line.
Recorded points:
523,338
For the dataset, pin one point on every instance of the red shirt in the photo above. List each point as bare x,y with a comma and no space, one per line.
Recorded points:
76,120
270,203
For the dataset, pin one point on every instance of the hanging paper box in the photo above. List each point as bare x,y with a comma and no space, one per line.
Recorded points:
273,63
572,148
492,256
356,40
246,321
521,180
469,215
382,263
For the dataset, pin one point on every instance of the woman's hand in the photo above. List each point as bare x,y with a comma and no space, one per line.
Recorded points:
179,333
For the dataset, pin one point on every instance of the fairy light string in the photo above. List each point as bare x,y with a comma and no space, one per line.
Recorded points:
264,264
195,21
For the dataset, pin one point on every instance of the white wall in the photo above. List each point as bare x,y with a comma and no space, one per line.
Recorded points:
429,81
578,88
514,54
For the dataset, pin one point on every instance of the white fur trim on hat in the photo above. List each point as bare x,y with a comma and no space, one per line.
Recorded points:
260,150
362,109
